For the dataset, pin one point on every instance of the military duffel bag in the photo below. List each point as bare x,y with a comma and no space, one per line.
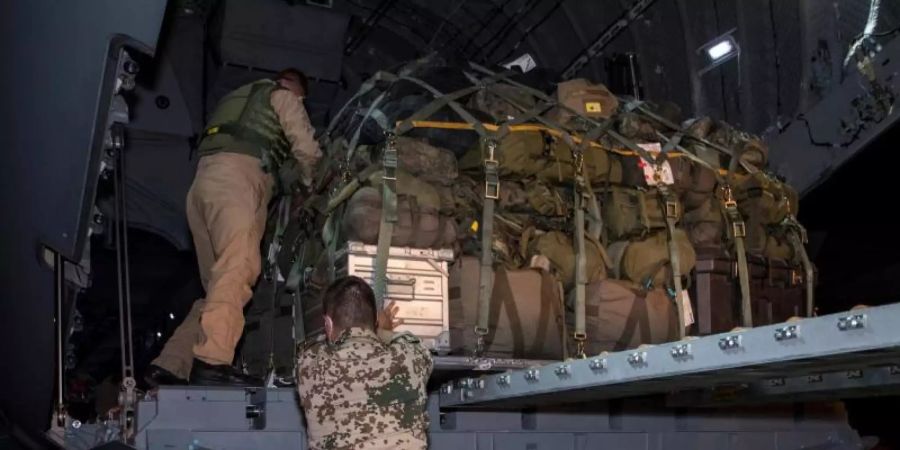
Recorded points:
526,312
490,100
705,225
533,197
434,165
538,155
765,199
558,249
749,148
693,182
647,261
420,222
635,212
619,316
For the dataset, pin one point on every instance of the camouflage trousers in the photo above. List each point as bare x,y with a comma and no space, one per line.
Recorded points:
226,211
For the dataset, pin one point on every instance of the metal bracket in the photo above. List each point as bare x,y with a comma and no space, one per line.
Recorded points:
563,370
681,351
786,333
597,364
256,409
730,342
852,322
532,375
638,359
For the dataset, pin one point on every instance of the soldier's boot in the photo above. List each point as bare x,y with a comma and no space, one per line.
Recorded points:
204,374
157,376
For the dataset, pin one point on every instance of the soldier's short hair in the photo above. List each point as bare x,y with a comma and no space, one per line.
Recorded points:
350,302
294,74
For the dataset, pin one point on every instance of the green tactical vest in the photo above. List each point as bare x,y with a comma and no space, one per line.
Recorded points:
245,122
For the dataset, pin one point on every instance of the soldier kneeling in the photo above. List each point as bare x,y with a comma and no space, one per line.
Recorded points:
363,387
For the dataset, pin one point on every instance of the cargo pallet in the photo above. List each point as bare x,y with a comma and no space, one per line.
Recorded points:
655,397
850,354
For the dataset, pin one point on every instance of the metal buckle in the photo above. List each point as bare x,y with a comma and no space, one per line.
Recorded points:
796,278
671,210
491,180
579,344
739,229
389,159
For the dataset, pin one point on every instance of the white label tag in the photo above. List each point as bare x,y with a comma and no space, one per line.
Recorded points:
688,310
654,174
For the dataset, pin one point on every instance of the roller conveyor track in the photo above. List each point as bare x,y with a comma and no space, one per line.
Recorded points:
850,354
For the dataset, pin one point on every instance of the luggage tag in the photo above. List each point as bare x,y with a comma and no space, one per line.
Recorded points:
654,174
688,310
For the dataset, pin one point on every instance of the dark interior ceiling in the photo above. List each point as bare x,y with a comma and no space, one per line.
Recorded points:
791,51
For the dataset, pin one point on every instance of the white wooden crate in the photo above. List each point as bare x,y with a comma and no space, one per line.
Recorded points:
417,283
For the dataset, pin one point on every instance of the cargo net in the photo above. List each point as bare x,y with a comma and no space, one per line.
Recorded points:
577,218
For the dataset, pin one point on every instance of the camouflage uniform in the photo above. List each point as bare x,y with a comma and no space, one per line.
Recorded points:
365,392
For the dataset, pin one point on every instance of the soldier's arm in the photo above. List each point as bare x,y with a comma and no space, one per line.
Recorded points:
420,356
299,131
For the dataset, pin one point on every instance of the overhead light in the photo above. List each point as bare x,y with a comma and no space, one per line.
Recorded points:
718,51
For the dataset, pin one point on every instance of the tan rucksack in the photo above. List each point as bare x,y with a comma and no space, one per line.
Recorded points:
526,312
532,154
433,165
631,213
619,316
646,261
588,99
558,248
420,221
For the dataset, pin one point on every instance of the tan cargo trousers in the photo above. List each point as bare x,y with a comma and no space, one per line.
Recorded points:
226,211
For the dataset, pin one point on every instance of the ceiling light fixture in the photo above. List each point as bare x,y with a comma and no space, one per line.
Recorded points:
718,51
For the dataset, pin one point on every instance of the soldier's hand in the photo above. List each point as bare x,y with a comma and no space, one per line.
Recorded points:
387,317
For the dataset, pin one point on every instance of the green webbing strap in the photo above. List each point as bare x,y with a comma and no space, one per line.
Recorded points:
434,106
350,188
579,334
330,236
282,216
456,107
295,276
527,115
351,147
642,211
388,218
670,212
486,280
365,88
797,236
595,227
739,232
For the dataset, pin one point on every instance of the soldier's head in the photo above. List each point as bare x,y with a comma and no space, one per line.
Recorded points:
347,303
293,80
